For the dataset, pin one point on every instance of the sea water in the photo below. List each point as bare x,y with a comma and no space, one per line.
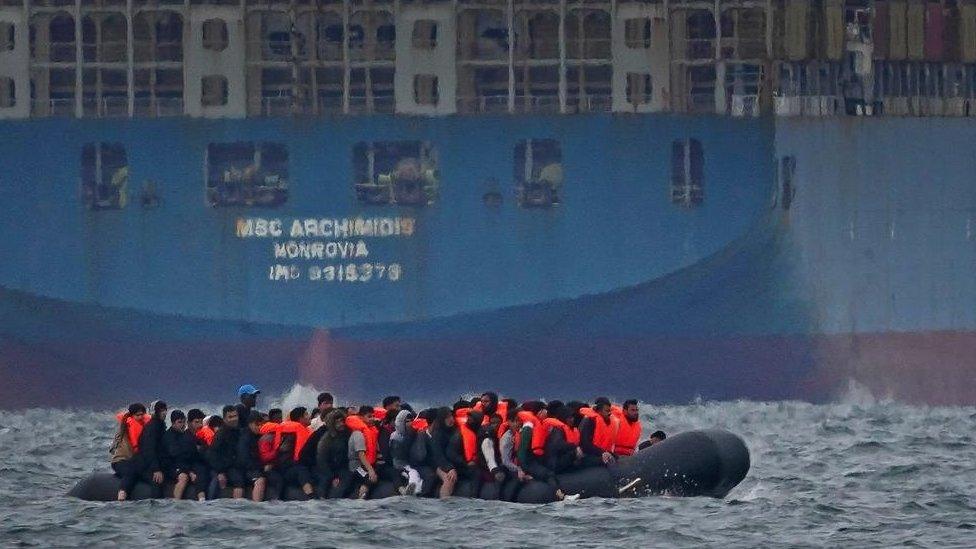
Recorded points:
858,473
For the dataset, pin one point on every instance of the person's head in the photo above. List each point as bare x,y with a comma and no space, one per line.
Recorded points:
631,410
602,407
474,420
444,419
326,402
489,402
554,404
392,405
474,402
159,410
229,413
536,407
575,406
137,410
562,413
215,422
657,436
367,412
494,422
275,415
461,403
255,420
177,420
335,421
249,395
194,419
512,403
514,421
300,414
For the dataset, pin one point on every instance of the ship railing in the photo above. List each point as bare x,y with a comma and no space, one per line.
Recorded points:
108,107
743,48
382,51
590,48
279,105
537,103
62,106
384,104
484,104
484,49
597,103
158,107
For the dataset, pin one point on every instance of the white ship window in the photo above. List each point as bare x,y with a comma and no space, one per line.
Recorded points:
687,172
639,90
637,33
425,89
787,171
8,93
424,34
538,173
104,176
215,34
396,172
215,91
7,36
247,174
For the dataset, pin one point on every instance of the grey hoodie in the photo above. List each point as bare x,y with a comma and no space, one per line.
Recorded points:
401,440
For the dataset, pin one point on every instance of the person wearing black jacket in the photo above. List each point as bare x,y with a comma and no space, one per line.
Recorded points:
183,462
560,454
418,457
440,432
335,480
222,455
249,460
150,446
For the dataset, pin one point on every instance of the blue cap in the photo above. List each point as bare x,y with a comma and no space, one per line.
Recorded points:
247,390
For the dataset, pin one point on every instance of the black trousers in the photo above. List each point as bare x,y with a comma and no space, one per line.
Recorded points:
198,469
133,470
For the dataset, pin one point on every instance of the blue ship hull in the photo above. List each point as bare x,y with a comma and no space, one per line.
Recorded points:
866,277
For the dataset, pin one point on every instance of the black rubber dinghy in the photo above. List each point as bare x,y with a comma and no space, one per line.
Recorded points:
695,463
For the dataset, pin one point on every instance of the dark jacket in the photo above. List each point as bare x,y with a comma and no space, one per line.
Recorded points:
331,455
560,454
151,445
308,456
437,445
455,451
587,427
179,449
222,455
247,456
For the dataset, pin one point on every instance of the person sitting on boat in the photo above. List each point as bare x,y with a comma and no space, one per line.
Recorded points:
436,440
597,433
184,465
276,415
508,453
332,457
290,439
255,470
385,418
494,474
362,450
222,455
561,448
462,450
401,442
197,427
126,458
656,436
628,428
151,446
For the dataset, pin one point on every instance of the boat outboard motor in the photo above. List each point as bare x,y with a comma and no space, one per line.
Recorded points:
694,463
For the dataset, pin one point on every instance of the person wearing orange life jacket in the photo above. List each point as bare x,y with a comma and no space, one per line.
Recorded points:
126,460
598,430
422,454
363,449
290,439
489,404
494,474
462,450
561,447
628,428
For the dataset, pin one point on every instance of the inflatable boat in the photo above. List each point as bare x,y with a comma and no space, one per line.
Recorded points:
694,463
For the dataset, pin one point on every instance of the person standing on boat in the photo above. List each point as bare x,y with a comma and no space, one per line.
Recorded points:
249,399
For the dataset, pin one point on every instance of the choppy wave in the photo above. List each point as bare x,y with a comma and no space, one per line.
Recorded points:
861,472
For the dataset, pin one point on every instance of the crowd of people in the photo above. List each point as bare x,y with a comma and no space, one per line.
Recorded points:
342,452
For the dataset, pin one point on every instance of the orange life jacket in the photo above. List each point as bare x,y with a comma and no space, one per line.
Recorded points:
501,409
628,434
289,427
469,442
370,433
548,425
461,415
604,432
133,428
205,435
419,424
379,413
266,449
538,431
525,417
